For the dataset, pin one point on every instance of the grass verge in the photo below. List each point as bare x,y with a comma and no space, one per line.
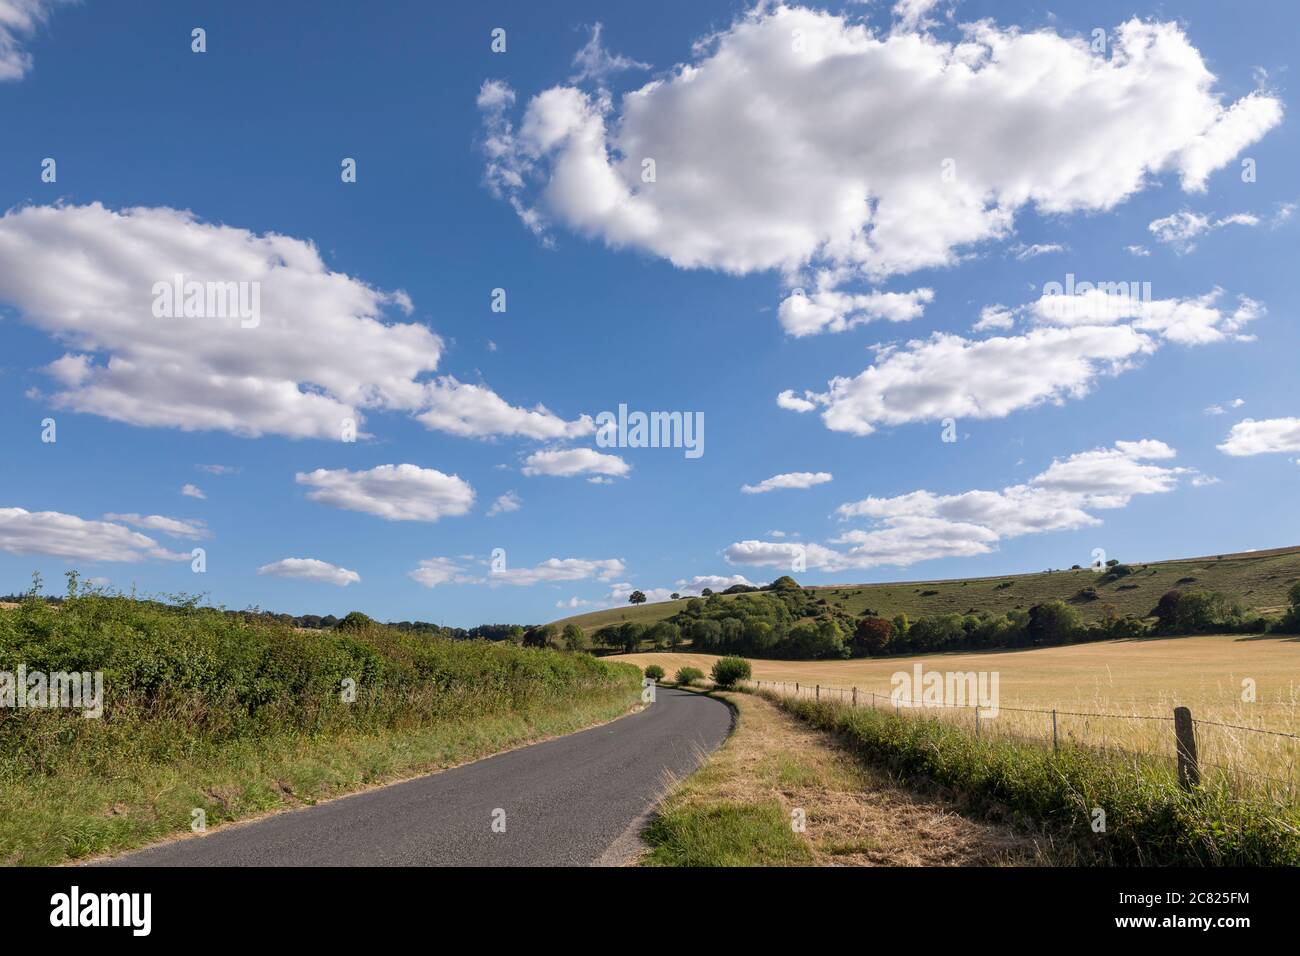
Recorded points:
1148,819
780,793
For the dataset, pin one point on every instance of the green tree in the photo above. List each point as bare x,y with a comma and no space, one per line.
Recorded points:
636,597
575,638
629,636
1053,622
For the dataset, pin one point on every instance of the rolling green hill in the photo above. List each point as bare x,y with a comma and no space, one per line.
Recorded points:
1258,579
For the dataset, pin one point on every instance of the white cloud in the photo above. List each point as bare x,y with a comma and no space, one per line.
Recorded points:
1264,437
573,602
77,539
435,571
913,14
794,479
176,527
823,159
1221,409
1187,321
831,311
950,376
193,491
510,501
321,352
994,317
19,20
1138,250
568,462
715,582
788,399
1178,230
1023,252
393,492
779,554
922,526
310,569
559,569
1078,339
475,411
594,62
218,469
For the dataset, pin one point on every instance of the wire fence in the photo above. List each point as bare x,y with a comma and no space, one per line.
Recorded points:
1257,761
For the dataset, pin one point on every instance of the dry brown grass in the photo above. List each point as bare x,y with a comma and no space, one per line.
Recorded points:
855,815
1133,678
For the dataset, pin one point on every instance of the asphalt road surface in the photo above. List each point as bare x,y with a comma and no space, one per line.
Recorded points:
577,800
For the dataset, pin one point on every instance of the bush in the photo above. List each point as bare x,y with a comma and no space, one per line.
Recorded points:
654,672
729,671
688,676
355,622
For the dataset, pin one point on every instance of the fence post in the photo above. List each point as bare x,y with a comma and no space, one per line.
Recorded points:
855,697
1054,745
977,721
819,692
1189,771
796,688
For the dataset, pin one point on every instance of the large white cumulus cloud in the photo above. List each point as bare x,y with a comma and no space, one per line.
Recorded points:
801,141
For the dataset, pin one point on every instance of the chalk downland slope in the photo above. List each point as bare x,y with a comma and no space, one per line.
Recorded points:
1258,579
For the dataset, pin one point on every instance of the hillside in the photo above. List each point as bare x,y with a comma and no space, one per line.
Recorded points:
1259,579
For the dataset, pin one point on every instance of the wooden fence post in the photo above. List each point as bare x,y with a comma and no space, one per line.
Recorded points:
819,692
1054,745
977,721
855,697
1189,771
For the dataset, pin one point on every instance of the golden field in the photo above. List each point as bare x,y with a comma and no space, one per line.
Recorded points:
1144,678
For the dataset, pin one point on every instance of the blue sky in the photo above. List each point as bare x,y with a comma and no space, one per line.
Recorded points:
799,148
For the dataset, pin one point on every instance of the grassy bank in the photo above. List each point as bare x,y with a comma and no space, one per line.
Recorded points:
1148,819
780,793
240,716
1258,579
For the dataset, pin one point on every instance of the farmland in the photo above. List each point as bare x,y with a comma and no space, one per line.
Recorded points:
1128,678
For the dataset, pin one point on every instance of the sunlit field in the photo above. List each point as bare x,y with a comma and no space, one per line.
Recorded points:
1126,689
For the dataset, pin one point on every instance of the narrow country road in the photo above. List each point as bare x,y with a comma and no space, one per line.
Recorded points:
566,802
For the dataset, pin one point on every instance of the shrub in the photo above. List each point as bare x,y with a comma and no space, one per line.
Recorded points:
654,672
729,671
688,675
355,622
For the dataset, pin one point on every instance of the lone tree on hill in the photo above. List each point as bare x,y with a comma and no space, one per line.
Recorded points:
637,597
